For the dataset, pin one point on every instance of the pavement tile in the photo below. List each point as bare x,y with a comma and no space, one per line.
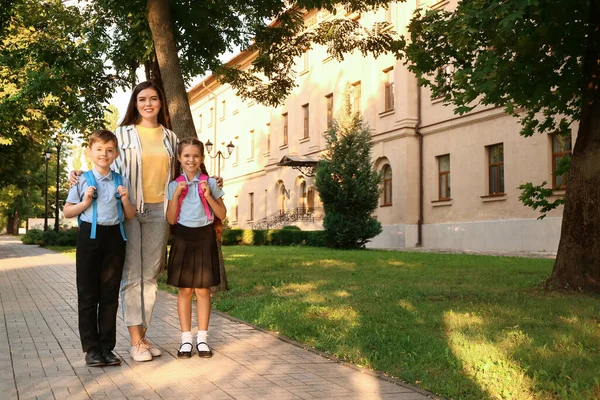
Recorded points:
41,356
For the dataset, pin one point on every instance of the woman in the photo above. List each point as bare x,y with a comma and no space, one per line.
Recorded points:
143,127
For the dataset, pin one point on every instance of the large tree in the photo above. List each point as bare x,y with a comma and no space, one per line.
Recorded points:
540,60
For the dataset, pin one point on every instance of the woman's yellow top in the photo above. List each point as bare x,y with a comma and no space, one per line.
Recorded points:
155,163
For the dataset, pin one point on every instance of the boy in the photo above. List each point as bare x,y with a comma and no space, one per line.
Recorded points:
100,248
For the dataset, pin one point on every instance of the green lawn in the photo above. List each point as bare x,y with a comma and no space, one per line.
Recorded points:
461,326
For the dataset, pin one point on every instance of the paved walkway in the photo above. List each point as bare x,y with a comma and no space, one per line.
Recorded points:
41,357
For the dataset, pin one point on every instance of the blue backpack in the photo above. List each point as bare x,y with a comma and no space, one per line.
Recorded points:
91,181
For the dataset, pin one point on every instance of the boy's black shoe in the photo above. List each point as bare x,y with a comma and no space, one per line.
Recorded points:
94,358
110,358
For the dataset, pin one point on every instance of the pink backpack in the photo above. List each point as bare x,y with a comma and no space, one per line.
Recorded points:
184,192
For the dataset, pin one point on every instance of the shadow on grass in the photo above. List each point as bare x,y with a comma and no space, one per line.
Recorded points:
463,326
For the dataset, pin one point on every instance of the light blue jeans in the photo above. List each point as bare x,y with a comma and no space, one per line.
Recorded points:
147,236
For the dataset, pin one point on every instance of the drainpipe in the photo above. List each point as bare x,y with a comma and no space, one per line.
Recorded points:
420,138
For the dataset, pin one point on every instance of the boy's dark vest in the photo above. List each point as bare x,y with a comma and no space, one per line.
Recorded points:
91,181
217,222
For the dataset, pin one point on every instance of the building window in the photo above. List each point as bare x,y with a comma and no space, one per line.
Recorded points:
251,202
223,109
235,105
329,99
210,116
285,128
389,89
305,113
268,132
235,211
282,199
305,62
251,145
303,197
444,177
236,160
200,123
310,199
496,168
356,97
561,149
387,185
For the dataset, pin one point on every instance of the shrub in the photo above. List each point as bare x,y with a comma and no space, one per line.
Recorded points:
51,238
275,237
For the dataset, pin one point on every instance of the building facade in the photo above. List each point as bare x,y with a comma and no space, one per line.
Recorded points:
449,181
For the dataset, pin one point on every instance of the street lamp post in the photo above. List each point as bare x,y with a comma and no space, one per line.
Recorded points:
47,155
219,154
56,211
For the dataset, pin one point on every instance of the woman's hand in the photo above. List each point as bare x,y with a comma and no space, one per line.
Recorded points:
219,181
74,177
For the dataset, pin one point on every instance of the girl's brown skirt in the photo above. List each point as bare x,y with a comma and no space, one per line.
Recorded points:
194,258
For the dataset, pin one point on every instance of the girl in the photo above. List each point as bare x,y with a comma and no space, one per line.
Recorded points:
194,201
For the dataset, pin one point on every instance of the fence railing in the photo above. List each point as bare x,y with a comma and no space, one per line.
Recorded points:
282,218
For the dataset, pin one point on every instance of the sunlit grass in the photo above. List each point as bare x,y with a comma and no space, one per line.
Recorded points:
462,326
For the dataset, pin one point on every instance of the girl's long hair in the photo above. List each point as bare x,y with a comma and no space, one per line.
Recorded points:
132,116
191,141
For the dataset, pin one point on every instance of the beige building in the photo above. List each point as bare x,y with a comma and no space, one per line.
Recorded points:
468,168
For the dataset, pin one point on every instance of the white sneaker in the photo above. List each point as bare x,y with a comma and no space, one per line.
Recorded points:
153,350
139,352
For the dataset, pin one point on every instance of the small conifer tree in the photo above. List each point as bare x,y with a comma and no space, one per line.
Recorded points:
347,183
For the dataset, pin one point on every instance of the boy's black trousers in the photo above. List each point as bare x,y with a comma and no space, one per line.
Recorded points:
99,267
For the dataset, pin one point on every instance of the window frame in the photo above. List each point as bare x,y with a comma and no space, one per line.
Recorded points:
306,121
499,178
329,106
388,90
447,181
251,203
285,128
560,154
387,186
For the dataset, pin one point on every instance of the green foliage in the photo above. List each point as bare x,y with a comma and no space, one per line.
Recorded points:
51,238
347,182
51,75
461,326
536,196
273,237
520,55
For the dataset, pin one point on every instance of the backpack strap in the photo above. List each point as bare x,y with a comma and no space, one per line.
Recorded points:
118,181
91,181
184,193
204,178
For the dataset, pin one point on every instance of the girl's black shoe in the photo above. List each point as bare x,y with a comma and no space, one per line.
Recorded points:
204,353
185,354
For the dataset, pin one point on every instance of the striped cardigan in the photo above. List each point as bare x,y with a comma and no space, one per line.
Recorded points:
129,161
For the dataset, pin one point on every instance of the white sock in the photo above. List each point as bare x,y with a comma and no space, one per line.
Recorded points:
201,337
186,337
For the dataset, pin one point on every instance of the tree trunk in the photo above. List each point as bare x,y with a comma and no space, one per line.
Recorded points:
577,263
168,61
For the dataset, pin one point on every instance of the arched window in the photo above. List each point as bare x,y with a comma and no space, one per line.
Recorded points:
303,196
387,185
310,199
282,199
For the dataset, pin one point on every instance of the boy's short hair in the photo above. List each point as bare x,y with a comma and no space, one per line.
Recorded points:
102,135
